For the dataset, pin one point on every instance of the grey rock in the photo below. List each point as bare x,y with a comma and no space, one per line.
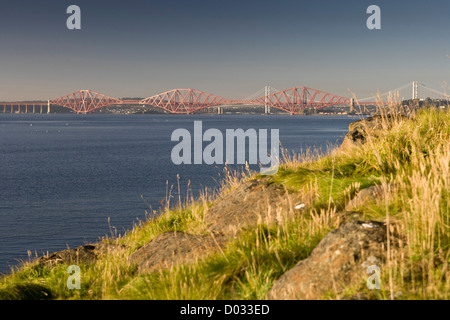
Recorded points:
364,196
173,248
250,202
86,254
368,195
339,261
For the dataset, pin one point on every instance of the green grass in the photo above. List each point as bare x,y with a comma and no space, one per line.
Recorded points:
246,270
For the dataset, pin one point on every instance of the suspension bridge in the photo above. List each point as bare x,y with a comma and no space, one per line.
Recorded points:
188,101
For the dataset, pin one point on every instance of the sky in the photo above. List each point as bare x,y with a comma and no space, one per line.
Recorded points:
230,48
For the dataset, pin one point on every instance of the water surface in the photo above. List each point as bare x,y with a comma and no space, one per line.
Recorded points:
69,179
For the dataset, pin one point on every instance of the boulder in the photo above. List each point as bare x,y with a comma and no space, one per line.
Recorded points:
369,195
86,254
365,196
172,248
340,260
252,201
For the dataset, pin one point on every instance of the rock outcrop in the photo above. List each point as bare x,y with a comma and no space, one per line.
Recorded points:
252,201
86,254
172,248
365,196
340,260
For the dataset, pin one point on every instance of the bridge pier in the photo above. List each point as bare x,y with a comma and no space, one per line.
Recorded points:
48,106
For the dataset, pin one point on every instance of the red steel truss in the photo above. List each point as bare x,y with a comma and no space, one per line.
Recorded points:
189,100
184,100
295,99
85,101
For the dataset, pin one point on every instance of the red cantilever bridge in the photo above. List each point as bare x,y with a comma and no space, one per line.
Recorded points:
187,101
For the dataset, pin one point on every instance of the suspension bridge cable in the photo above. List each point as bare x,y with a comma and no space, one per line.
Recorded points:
387,93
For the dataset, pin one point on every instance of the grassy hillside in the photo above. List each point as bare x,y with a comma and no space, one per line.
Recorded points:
408,157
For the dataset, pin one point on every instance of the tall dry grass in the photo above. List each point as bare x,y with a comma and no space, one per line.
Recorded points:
412,150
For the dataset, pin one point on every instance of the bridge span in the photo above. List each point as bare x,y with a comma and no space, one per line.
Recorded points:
188,101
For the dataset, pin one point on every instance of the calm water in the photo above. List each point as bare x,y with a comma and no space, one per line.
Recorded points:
64,176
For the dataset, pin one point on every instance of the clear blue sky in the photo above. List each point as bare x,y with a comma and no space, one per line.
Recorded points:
226,47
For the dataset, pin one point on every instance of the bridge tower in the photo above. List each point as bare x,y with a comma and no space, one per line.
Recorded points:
266,94
352,104
415,90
